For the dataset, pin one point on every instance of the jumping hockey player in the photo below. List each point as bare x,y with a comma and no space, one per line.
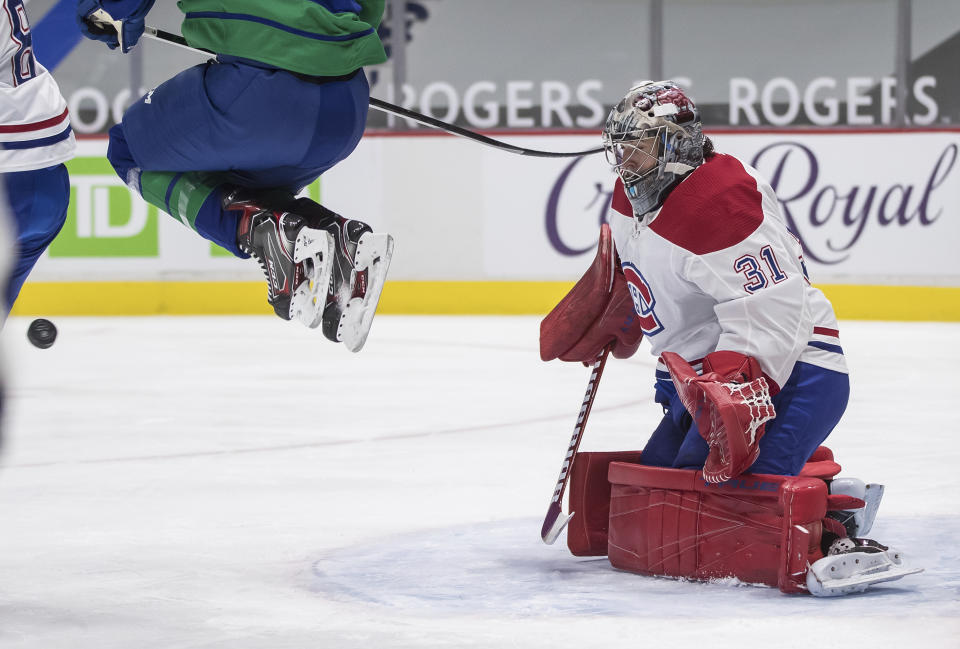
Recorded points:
36,140
224,147
752,378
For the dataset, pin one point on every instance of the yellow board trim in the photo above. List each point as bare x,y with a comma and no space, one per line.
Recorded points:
931,303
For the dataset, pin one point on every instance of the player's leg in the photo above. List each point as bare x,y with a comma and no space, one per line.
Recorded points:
38,200
693,450
167,149
270,130
808,408
664,444
337,265
249,120
261,128
7,258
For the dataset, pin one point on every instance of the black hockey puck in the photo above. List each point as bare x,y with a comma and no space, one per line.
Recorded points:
42,333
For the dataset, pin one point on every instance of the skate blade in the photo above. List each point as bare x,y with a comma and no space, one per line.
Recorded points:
315,248
856,583
876,569
373,254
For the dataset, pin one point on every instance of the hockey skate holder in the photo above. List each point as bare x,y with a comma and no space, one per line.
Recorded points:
315,249
842,574
373,255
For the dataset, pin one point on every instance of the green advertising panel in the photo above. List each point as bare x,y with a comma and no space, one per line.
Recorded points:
105,219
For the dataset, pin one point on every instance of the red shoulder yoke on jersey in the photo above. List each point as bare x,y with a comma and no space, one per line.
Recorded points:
758,528
715,207
598,310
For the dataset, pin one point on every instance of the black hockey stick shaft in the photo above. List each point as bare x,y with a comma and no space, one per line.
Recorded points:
556,520
426,120
393,109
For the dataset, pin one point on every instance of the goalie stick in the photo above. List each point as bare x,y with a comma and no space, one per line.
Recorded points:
384,106
556,520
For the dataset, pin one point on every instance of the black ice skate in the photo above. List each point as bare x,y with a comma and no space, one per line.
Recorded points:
358,269
320,267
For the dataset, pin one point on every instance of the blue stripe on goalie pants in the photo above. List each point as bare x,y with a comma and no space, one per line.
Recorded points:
837,349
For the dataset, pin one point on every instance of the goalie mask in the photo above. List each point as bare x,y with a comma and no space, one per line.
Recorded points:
653,138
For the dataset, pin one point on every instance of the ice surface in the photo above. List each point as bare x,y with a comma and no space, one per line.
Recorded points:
240,482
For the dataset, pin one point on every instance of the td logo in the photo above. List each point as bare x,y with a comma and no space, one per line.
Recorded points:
105,219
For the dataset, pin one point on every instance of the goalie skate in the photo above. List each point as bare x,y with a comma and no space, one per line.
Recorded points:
857,522
853,565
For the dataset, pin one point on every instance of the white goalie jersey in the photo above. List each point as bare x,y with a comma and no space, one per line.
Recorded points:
716,269
34,121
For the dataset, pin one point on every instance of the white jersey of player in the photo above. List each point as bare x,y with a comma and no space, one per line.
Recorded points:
716,269
34,121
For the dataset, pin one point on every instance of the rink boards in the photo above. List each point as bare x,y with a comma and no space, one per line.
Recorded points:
482,231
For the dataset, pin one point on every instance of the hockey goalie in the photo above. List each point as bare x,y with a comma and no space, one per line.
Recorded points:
734,481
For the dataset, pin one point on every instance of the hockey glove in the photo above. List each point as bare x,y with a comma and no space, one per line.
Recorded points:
597,311
122,32
731,404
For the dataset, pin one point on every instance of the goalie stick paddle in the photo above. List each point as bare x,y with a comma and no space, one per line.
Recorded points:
556,520
387,107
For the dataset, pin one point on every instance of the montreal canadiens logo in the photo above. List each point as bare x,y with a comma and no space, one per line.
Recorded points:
643,300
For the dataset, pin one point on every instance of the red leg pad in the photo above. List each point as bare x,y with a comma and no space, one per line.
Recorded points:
590,501
757,528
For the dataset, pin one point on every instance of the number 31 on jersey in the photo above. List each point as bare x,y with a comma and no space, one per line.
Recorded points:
758,276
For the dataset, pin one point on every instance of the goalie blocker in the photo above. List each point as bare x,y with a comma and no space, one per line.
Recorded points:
781,531
597,312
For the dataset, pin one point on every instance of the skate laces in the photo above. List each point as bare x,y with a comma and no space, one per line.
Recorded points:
245,236
263,238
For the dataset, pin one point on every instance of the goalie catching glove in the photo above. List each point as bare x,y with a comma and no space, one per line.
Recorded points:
730,403
596,312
